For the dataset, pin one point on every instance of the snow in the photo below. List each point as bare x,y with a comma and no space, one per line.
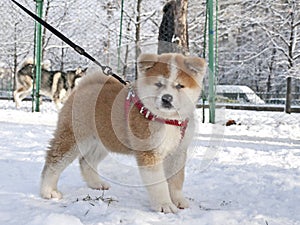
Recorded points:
247,174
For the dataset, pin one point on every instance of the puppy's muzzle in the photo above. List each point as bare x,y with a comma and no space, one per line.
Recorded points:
167,101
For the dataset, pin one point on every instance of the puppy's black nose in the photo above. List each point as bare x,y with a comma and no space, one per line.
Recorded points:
166,100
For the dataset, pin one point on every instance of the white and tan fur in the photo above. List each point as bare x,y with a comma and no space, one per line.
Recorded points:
56,85
93,122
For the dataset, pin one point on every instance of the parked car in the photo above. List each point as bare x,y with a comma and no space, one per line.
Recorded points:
237,94
281,101
276,101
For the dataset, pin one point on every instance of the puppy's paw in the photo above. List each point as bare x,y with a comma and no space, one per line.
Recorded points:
166,208
101,185
181,203
48,194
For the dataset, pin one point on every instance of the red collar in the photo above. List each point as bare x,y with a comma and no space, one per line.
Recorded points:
133,98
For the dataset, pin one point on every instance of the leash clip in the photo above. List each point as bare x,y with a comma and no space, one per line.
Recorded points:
130,94
107,70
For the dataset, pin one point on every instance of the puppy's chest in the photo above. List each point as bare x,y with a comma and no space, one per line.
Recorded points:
167,139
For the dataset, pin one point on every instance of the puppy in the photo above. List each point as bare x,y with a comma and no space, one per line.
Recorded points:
151,120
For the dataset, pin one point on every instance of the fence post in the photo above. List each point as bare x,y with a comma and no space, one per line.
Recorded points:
38,54
211,62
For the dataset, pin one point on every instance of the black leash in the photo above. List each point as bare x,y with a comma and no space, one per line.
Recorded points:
106,69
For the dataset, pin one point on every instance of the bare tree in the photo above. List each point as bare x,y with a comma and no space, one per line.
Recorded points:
16,39
259,44
284,36
258,41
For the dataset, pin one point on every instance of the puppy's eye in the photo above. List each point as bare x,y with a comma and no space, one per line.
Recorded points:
179,86
159,84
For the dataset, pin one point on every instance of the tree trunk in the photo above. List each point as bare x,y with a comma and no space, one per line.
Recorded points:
44,29
15,66
126,55
181,27
291,64
62,57
173,30
167,29
270,76
137,35
288,95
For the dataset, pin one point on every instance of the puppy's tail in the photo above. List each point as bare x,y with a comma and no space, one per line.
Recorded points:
28,61
46,65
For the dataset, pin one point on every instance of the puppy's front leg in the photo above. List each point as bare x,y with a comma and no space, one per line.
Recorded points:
174,166
153,176
175,186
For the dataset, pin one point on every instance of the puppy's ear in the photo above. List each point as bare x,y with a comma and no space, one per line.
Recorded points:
78,71
146,61
196,65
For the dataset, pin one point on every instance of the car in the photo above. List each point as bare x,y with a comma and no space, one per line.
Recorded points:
276,101
237,94
281,101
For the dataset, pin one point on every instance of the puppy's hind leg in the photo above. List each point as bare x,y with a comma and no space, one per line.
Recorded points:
17,98
60,155
88,164
20,94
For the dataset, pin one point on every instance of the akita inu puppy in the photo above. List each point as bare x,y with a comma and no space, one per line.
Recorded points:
151,119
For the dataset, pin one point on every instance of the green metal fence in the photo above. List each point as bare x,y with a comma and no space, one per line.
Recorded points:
6,84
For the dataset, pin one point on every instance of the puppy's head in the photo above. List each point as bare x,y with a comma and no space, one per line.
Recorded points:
169,84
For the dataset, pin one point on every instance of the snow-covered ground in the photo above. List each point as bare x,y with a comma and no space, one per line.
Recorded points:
241,174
